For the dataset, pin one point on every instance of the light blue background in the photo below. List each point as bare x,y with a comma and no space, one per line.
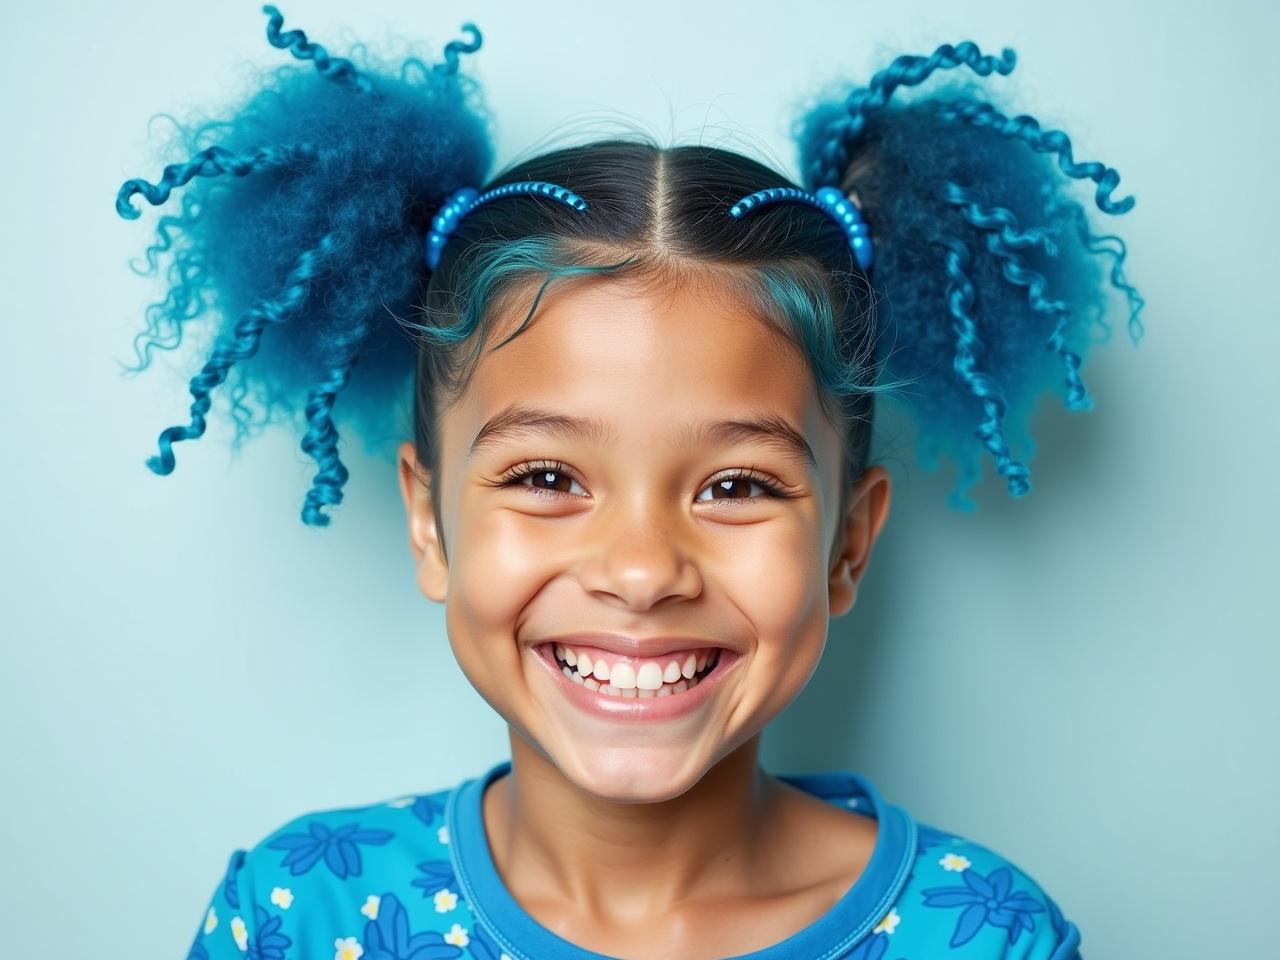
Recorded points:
1084,679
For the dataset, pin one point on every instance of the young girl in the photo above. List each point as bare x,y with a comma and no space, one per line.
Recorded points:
643,385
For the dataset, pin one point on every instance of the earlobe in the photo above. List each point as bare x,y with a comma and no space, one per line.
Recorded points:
424,535
868,510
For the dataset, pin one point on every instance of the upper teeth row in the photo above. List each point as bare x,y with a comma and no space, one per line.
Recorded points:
623,675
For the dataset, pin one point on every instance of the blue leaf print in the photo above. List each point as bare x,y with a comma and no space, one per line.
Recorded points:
388,937
338,848
438,876
986,900
482,944
269,943
872,948
229,891
427,809
1055,917
198,952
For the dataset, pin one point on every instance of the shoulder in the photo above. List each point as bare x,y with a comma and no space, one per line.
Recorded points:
953,896
329,874
967,901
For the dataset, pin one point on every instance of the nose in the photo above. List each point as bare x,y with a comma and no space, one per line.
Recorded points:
638,561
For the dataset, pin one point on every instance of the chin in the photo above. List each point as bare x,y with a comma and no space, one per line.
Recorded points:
631,775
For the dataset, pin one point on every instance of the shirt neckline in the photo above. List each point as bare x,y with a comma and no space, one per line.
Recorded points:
850,919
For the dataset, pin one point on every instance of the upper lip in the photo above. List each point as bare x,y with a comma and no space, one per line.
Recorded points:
634,646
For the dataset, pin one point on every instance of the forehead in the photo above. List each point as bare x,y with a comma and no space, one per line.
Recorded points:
647,361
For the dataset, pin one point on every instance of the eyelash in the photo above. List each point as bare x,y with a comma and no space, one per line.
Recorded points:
518,473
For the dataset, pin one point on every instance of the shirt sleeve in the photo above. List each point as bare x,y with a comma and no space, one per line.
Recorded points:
229,926
966,901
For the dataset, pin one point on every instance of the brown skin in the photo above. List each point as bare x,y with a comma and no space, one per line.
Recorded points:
669,840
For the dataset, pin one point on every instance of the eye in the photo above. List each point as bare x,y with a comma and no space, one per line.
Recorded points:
540,471
556,475
744,480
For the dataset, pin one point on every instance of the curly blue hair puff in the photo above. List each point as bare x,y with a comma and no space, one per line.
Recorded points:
303,225
989,271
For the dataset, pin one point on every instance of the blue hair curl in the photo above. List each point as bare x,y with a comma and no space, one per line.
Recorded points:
303,224
940,180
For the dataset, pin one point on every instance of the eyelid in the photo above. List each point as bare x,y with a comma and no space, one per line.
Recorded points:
774,489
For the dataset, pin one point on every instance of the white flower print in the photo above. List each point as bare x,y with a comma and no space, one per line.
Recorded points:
955,862
370,908
282,897
457,936
240,933
347,948
211,921
889,923
446,900
401,802
443,834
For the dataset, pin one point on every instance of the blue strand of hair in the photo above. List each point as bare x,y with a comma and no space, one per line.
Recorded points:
933,173
302,222
244,344
1004,239
905,71
337,69
960,302
1101,245
1027,129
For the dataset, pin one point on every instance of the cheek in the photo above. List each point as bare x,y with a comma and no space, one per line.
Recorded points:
497,568
779,583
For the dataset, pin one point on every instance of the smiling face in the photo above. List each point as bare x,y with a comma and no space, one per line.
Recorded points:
641,527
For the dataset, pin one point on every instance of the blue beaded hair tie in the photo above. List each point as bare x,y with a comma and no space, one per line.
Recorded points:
827,199
464,200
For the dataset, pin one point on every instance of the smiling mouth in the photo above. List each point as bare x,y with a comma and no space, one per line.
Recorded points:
627,685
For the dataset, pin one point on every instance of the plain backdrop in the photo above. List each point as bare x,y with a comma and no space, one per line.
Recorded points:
1084,679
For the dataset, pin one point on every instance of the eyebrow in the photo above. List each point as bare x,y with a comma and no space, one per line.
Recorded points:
517,418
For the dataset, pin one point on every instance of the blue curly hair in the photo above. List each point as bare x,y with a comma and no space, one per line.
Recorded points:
308,216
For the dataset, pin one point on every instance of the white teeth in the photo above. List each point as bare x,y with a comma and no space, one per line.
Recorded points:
623,680
690,666
650,676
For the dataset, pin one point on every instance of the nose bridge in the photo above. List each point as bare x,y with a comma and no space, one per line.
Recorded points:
639,551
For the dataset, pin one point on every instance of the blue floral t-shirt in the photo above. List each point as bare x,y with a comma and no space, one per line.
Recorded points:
413,879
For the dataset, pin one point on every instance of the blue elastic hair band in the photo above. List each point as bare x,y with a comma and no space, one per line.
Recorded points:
465,199
827,199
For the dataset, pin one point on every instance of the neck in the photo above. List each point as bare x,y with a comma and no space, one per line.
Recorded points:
551,841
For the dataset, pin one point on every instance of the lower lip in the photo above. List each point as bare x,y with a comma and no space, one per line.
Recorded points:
637,709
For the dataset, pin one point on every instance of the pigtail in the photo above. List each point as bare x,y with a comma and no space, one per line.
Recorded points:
302,228
991,275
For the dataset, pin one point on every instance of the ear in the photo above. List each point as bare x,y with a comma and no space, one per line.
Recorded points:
424,537
868,510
